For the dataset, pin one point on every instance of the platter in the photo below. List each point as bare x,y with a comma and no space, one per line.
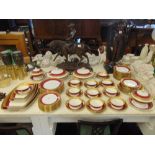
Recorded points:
19,101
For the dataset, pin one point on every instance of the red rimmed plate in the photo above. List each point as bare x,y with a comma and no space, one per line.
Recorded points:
106,82
117,103
96,105
74,92
50,98
83,72
23,89
103,75
122,69
38,77
141,96
111,91
51,84
36,70
92,92
140,106
131,83
75,104
91,83
75,83
57,73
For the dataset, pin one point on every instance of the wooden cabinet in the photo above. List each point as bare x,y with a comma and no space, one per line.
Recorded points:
58,28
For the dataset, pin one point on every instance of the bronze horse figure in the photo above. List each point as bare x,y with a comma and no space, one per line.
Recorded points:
67,48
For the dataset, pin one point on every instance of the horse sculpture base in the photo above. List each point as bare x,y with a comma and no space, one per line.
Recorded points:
73,65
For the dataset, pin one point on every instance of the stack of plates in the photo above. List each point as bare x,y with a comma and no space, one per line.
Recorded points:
103,75
75,104
121,71
52,84
57,73
141,99
91,83
48,102
74,92
127,85
106,82
75,83
117,103
83,73
96,105
37,74
92,92
111,91
20,97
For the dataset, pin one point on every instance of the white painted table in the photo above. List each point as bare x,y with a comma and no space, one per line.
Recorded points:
45,123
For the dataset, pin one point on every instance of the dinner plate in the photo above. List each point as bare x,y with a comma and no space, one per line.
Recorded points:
57,73
132,83
49,99
83,76
141,106
142,96
48,102
83,71
51,84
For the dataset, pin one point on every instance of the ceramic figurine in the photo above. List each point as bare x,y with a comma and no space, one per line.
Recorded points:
144,52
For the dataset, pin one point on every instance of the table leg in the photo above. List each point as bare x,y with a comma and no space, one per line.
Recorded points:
42,126
148,128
